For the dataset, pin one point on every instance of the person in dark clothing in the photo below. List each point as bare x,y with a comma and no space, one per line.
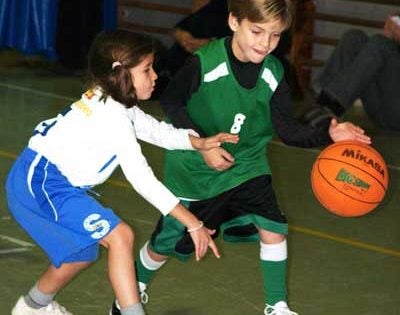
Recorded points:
361,67
77,25
192,33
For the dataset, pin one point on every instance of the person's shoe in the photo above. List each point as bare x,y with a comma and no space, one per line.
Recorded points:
280,308
21,308
144,298
115,310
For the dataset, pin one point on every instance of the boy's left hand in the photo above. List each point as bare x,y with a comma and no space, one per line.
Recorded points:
347,131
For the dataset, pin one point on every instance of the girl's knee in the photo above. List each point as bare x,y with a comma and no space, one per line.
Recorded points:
122,235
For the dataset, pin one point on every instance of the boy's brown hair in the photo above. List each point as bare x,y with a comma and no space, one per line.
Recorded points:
259,11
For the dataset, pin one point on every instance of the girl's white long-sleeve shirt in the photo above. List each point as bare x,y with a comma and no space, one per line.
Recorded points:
93,137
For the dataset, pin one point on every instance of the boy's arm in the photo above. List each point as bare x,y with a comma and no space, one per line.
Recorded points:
288,128
178,92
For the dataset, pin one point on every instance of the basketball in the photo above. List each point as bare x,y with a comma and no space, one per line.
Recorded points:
349,178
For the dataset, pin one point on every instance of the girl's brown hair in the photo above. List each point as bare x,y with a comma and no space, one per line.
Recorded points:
111,56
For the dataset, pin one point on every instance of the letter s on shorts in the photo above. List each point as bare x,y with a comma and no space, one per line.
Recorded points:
99,227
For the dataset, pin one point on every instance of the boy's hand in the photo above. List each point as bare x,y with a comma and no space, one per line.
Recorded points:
347,131
218,159
213,142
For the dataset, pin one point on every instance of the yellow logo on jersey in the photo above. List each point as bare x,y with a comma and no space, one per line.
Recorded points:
83,107
89,94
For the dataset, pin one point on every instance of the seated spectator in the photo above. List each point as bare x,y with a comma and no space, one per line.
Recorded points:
190,34
361,67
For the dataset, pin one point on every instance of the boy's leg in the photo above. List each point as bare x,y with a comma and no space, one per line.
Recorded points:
170,238
147,264
273,257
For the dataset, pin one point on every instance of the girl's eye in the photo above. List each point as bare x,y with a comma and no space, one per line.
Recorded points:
256,32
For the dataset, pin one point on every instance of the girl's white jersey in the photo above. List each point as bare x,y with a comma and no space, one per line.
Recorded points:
94,136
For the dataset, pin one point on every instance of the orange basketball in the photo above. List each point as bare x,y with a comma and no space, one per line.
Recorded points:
349,178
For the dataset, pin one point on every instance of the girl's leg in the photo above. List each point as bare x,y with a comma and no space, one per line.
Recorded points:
49,284
54,279
121,268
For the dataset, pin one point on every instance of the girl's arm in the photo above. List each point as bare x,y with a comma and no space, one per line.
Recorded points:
167,136
143,180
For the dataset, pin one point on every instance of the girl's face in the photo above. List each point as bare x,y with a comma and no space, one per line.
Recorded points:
252,42
144,78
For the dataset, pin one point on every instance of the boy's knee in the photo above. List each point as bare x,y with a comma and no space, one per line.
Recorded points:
269,237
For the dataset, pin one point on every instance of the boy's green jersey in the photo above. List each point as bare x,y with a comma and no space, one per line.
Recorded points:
222,105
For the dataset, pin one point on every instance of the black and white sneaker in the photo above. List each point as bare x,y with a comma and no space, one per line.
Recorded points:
115,310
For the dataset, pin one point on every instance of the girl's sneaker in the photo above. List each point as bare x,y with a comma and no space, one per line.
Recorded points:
279,308
21,308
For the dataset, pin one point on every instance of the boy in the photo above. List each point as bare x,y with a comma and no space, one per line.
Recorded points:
235,85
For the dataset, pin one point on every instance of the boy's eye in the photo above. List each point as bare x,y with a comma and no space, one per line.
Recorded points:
256,31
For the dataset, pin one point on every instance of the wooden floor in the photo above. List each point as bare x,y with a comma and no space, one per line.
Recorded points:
337,266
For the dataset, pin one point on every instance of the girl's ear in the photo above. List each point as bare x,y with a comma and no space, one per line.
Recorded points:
233,22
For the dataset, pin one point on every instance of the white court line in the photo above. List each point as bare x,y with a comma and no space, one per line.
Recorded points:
14,250
26,246
33,91
16,241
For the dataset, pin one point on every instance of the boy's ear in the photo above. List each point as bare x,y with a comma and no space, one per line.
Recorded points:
233,22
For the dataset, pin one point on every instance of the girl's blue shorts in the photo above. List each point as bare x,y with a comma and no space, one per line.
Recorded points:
65,221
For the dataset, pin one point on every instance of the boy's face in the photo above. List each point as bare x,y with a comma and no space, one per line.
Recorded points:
252,42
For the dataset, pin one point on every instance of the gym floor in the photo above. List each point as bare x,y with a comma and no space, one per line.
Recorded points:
337,266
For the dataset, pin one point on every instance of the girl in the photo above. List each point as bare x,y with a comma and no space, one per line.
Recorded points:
47,188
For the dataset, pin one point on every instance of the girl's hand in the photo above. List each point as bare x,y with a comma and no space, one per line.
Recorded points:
201,237
199,234
347,131
213,142
218,159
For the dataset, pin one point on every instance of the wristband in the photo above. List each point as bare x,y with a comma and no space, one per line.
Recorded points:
196,228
